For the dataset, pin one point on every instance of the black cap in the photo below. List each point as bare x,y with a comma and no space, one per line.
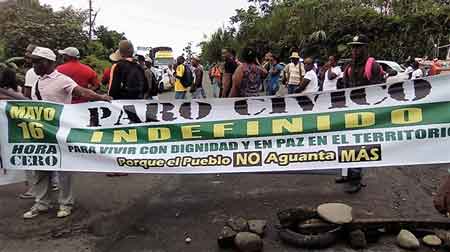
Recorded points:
359,40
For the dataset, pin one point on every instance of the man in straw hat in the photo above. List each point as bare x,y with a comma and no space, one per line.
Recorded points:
294,73
128,81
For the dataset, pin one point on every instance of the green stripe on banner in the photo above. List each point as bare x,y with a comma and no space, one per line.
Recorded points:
375,118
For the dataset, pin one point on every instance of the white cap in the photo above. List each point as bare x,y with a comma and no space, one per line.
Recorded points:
70,51
43,52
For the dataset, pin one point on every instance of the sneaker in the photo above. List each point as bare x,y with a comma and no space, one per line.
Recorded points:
341,180
55,187
354,186
64,212
27,195
35,211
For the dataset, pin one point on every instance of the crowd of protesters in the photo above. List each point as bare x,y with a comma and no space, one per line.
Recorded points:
131,77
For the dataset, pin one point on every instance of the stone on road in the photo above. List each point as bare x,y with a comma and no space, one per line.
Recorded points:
432,241
407,240
257,226
238,224
248,242
336,213
226,237
358,239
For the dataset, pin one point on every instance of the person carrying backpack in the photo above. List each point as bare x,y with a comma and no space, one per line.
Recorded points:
184,79
128,80
362,71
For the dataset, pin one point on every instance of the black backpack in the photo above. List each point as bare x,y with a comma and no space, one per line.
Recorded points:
134,84
188,77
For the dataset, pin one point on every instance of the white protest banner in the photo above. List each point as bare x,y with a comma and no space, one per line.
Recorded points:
391,124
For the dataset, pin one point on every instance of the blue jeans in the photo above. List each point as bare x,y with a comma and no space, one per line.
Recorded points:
292,88
199,94
216,88
180,95
272,88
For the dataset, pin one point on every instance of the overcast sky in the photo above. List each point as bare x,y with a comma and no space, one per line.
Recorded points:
160,22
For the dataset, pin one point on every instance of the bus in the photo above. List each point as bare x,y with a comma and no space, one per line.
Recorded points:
162,56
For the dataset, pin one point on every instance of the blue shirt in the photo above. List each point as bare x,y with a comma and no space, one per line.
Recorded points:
275,77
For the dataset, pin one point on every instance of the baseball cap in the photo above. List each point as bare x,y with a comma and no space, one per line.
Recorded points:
43,52
148,59
70,51
195,57
359,40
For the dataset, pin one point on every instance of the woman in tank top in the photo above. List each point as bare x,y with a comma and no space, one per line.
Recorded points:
249,76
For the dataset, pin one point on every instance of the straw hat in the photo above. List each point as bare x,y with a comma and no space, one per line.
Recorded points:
295,55
115,56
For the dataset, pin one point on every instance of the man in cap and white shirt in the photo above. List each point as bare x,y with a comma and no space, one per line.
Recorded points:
82,74
55,87
294,73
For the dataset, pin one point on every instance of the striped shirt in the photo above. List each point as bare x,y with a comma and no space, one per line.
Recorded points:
294,73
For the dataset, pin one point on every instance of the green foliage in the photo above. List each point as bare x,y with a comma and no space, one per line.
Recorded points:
53,29
397,28
97,49
109,39
97,64
2,51
42,26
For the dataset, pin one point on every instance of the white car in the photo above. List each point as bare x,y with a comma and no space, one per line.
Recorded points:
400,72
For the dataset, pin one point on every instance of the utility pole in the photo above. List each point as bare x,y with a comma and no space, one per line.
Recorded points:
90,20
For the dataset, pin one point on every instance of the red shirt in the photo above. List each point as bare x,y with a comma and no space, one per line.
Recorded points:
106,76
82,74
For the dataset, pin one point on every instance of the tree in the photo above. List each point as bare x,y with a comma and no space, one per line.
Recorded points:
109,39
42,26
397,28
188,51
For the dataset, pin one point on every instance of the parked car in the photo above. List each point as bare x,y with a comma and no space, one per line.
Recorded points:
393,70
396,73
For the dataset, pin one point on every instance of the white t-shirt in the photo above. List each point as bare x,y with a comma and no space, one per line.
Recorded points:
31,78
55,87
332,84
313,85
409,70
417,74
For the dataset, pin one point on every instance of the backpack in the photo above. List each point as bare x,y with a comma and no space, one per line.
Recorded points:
134,84
188,77
216,72
367,69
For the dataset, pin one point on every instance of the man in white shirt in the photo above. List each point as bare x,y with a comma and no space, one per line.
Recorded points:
417,73
310,82
30,76
294,72
332,75
55,87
